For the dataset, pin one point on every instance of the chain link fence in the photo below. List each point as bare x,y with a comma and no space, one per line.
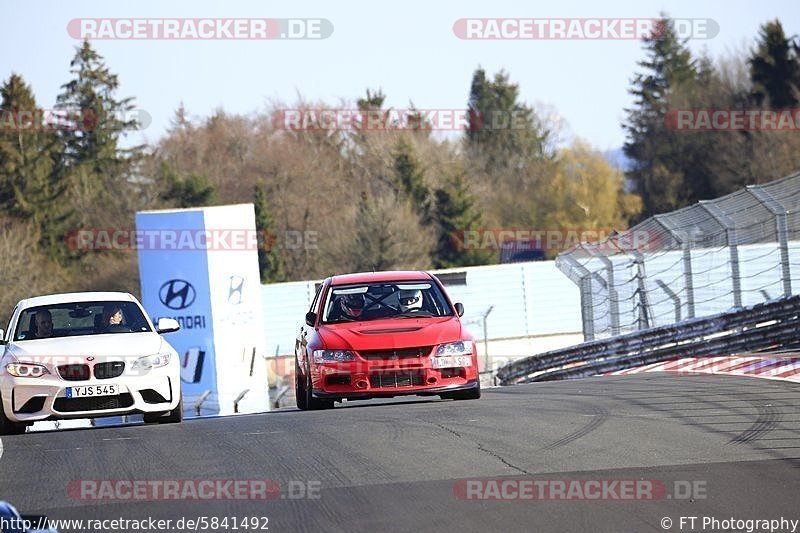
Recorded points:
729,253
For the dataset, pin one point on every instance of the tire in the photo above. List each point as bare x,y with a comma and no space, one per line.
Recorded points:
9,427
299,389
471,394
170,417
305,398
175,416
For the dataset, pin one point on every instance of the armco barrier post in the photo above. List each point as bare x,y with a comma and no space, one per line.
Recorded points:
782,229
733,245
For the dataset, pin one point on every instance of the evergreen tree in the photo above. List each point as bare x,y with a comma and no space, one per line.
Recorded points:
269,262
501,130
775,68
29,188
411,178
654,150
192,190
455,215
98,168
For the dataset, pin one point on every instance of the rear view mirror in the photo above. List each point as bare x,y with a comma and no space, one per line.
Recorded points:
459,308
311,319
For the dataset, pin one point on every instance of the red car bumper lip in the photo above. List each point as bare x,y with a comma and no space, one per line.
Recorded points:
388,393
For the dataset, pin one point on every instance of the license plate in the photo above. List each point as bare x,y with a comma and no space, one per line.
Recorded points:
92,390
451,362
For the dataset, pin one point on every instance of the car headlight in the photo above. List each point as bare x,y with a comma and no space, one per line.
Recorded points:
454,348
338,356
151,361
26,370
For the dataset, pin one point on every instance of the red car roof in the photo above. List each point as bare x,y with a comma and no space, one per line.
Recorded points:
390,275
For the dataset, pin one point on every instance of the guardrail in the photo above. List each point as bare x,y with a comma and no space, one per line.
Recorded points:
771,325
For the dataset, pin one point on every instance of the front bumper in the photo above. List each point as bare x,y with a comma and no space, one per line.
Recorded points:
34,399
431,391
392,377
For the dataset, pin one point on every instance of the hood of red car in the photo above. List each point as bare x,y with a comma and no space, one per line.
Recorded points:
397,333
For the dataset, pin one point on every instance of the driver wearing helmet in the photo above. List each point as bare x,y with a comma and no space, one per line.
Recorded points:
410,300
352,306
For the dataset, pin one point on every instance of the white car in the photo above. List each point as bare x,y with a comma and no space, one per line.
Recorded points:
86,355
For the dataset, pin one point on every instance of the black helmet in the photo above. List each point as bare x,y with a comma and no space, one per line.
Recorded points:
353,303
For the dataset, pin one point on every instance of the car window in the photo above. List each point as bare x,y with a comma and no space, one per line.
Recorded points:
313,308
383,300
80,318
7,332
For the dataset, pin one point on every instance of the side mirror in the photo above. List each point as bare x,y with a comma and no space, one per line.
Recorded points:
167,325
311,318
2,337
459,308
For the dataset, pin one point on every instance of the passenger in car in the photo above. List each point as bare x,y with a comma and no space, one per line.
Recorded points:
112,317
44,324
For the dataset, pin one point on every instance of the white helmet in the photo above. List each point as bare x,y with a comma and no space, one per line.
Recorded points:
410,299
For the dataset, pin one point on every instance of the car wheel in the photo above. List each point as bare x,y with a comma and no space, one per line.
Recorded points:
314,404
472,394
299,388
169,417
9,427
175,416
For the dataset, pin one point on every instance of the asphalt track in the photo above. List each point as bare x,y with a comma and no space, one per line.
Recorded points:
395,465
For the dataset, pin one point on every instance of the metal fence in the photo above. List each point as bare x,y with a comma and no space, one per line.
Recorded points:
517,300
732,252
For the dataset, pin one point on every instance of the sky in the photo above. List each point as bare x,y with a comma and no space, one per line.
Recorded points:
409,50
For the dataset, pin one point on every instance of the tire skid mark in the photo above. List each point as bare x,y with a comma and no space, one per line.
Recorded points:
768,419
599,416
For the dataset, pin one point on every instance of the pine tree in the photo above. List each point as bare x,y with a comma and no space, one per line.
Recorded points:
456,215
775,68
269,262
29,188
192,190
501,130
656,171
411,178
99,169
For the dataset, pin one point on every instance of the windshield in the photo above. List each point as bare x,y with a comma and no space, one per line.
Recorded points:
374,301
80,318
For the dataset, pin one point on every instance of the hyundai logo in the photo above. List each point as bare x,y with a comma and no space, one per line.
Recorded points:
235,286
177,294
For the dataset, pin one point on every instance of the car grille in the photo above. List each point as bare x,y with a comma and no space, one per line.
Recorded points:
402,353
74,372
109,370
396,379
68,405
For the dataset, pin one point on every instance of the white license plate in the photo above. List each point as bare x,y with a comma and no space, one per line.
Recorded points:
451,362
92,390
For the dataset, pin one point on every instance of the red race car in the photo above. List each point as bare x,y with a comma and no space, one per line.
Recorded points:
383,334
